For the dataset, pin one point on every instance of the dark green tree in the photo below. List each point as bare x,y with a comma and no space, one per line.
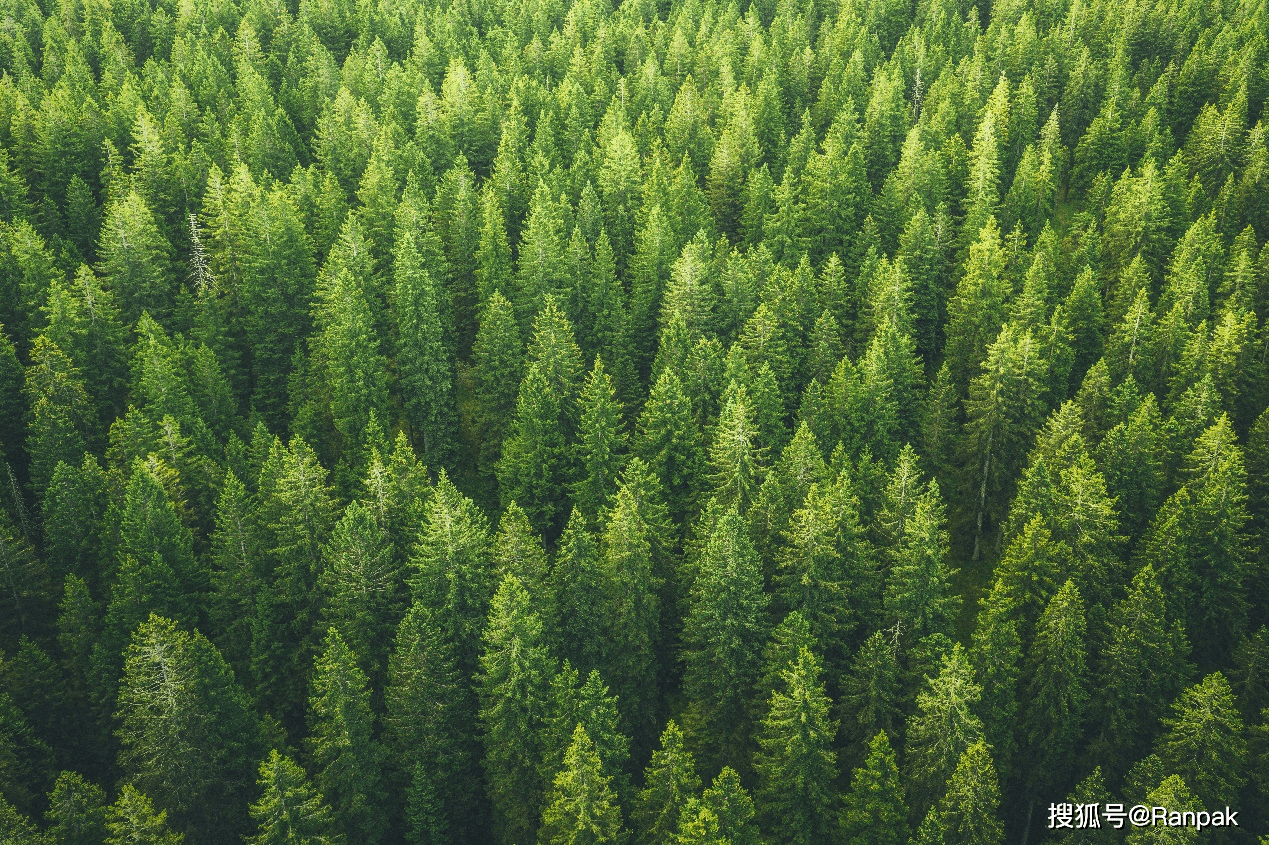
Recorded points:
515,699
345,754
796,763
874,811
186,729
289,811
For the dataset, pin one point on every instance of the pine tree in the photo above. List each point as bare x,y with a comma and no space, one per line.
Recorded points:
356,374
187,733
670,784
941,730
132,820
796,764
514,691
76,812
345,755
968,811
1003,412
423,363
582,807
601,443
875,813
289,811
497,359
722,635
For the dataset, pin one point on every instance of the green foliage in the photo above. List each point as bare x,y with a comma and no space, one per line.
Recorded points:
346,757
874,810
886,326
187,732
289,811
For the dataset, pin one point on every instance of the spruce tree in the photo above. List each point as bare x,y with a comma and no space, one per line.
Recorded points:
582,807
722,636
874,813
289,811
969,809
187,733
76,812
514,700
425,372
670,784
796,763
346,757
132,820
497,362
943,727
601,442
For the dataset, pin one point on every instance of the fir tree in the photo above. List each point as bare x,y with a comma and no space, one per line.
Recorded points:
289,810
582,806
670,783
346,757
796,764
874,811
514,692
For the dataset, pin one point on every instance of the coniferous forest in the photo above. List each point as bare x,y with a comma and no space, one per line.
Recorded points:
688,422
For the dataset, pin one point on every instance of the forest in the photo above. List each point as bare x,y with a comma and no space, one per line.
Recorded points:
671,422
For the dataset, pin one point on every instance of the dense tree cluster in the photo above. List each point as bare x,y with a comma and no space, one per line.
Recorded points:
800,422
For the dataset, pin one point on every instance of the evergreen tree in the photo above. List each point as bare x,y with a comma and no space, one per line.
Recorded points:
452,572
296,513
874,810
514,692
61,415
943,727
361,586
576,595
136,259
345,755
796,764
582,807
76,812
132,820
1204,742
187,733
872,692
670,783
1143,666
725,626
431,746
588,704
631,616
497,363
423,363
601,442
918,591
289,811
968,810
1057,667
